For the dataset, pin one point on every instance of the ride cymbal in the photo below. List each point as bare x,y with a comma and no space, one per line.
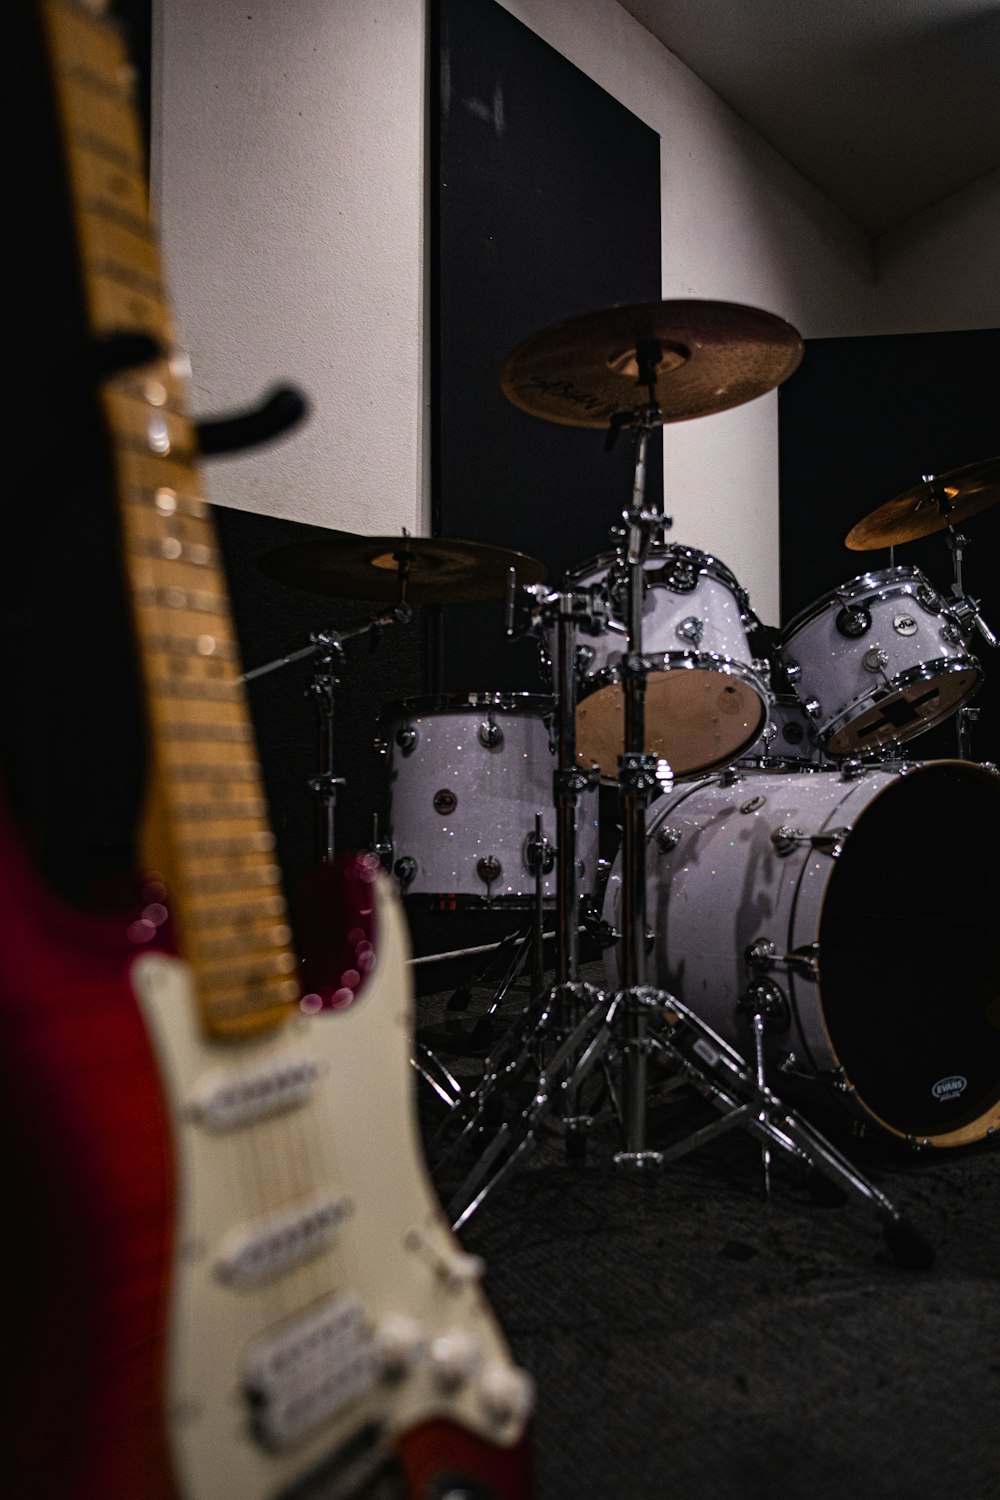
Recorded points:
938,501
706,357
397,569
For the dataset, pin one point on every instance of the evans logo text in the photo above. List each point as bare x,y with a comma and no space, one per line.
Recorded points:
950,1088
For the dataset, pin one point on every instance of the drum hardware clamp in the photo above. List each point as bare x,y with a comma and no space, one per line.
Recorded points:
327,646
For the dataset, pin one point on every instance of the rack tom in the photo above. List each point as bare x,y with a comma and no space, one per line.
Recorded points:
706,696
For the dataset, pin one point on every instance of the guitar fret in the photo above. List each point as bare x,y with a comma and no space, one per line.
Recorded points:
197,692
221,812
132,279
95,144
171,549
222,734
236,916
244,979
225,772
216,950
228,882
95,83
186,457
193,645
111,213
198,601
166,501
234,1004
244,843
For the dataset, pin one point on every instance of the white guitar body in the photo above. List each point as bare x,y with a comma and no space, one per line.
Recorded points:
320,1304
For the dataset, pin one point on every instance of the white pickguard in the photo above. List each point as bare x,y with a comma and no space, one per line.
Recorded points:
383,1259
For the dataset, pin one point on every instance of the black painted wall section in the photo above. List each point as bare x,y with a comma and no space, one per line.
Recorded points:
860,421
546,204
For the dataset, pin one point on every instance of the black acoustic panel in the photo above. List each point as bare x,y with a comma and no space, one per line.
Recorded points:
859,422
546,204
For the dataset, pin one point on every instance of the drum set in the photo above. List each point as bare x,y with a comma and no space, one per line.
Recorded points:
793,904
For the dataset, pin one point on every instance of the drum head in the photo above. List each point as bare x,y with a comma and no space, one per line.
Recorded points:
910,954
911,708
696,720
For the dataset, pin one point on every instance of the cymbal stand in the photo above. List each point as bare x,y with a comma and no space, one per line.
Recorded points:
966,611
327,646
637,781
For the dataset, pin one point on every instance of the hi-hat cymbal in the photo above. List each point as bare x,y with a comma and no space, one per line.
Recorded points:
938,501
707,357
397,569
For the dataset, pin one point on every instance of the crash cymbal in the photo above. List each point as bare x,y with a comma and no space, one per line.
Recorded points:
938,501
707,357
394,569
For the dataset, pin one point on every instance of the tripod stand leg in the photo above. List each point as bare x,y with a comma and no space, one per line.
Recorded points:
722,1077
571,1062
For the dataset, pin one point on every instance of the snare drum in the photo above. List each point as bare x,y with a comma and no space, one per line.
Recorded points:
467,772
841,903
706,699
878,661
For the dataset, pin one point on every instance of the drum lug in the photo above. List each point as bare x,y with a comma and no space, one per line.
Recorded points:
876,659
539,854
489,869
490,734
762,956
668,838
406,738
854,621
830,841
730,776
691,630
381,848
405,868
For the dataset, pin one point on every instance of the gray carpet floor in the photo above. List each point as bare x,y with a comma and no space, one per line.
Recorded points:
693,1338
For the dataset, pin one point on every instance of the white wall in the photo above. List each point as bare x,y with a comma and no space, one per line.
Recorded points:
289,166
289,172
739,225
940,271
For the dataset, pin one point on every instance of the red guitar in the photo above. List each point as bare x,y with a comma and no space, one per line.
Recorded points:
227,1274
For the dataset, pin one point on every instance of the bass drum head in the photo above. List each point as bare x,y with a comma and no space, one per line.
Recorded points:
878,892
910,955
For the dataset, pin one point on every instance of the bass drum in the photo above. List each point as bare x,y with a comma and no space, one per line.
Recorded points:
467,774
870,902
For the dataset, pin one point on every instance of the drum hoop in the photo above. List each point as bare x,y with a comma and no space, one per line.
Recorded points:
658,553
663,662
924,672
880,585
428,704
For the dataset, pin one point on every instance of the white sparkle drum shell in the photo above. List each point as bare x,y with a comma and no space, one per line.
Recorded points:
885,967
467,772
705,697
789,742
881,660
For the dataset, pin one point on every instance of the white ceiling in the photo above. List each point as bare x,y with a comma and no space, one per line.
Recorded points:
887,106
